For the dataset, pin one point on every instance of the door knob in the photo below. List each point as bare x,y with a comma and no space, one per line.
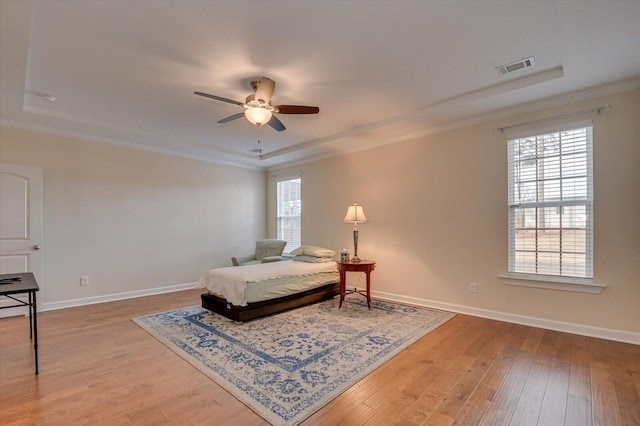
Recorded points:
36,247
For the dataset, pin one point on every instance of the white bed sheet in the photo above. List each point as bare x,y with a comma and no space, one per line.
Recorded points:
266,280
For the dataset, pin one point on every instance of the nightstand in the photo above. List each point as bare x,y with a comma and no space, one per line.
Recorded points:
365,266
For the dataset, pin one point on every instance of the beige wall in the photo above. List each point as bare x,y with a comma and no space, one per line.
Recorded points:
438,217
134,220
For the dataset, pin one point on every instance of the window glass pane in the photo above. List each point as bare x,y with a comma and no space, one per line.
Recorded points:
573,265
549,190
549,217
574,217
574,140
550,144
549,241
574,189
551,168
289,230
525,262
526,192
525,240
574,165
548,263
526,149
524,218
528,170
574,241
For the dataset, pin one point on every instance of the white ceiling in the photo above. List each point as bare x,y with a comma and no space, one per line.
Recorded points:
381,71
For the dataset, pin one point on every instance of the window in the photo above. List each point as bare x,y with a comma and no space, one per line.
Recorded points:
551,203
289,212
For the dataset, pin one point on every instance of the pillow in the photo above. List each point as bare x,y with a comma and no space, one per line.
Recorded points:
312,259
313,251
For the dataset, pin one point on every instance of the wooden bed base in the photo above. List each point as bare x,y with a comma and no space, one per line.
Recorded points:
268,307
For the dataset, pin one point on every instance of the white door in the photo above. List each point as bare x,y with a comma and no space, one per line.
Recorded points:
20,227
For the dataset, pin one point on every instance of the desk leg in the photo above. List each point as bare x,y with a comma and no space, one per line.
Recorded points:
35,327
343,287
30,320
369,289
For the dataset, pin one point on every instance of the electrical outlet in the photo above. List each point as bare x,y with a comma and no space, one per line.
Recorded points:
473,287
84,280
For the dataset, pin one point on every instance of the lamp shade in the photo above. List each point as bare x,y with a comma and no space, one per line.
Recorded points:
257,115
355,214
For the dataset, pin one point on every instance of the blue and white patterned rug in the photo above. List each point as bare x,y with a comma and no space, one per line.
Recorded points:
287,366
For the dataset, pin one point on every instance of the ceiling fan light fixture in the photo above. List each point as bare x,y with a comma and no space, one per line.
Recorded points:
258,115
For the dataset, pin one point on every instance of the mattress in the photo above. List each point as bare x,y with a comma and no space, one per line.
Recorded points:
255,283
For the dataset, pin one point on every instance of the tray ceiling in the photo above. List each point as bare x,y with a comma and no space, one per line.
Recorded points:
381,72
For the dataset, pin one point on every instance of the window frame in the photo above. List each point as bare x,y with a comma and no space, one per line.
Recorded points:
280,215
538,279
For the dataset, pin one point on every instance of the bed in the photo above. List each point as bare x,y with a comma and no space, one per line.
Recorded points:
248,292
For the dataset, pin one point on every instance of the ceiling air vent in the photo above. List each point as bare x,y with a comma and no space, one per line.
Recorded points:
516,66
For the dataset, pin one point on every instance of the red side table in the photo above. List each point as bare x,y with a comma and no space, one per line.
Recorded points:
365,266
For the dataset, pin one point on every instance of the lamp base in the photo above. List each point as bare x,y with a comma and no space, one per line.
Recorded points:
355,258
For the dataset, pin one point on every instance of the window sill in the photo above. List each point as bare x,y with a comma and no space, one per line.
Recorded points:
580,285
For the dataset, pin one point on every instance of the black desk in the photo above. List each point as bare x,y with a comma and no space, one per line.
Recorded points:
29,285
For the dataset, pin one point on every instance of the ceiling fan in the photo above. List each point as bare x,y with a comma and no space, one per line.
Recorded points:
257,107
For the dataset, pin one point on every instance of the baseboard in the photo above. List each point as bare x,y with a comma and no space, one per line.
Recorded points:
583,330
51,306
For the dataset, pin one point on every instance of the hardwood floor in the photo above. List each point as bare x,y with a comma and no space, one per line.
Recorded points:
97,367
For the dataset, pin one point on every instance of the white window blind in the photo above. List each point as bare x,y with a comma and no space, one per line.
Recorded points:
289,212
551,203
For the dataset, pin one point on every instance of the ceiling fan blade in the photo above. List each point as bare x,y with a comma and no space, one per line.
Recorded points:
265,89
218,98
296,109
232,117
276,124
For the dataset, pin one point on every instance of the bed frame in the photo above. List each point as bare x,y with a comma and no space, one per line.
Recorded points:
268,307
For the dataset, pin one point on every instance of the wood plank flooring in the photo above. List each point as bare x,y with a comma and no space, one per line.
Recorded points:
98,368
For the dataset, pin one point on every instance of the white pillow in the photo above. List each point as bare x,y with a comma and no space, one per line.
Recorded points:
297,252
313,251
312,259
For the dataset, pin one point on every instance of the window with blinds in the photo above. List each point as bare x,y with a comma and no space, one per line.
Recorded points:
551,203
289,212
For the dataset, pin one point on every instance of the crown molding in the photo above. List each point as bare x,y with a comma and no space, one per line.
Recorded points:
118,142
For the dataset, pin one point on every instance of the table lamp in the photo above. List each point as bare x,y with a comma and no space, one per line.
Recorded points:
355,215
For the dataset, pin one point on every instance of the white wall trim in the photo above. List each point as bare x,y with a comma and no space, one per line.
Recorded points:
583,330
51,306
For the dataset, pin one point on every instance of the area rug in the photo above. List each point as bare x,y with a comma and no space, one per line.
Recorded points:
287,366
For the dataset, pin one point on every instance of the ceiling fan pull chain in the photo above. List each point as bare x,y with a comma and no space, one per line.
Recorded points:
259,148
